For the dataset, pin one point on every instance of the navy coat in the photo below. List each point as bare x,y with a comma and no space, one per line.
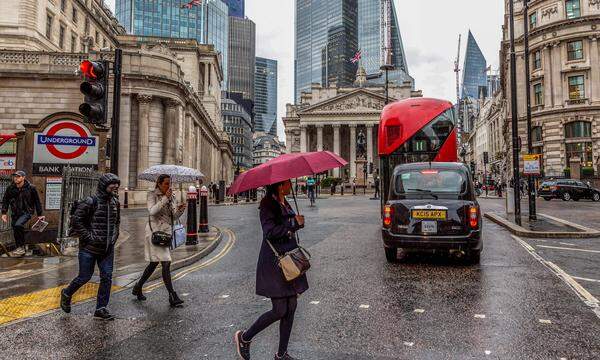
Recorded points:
279,226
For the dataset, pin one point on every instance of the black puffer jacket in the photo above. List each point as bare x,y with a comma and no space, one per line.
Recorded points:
21,201
97,219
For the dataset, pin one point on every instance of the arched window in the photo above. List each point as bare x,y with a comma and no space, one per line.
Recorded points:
536,138
578,142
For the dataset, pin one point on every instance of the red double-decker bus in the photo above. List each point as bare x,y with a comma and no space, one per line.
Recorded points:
415,130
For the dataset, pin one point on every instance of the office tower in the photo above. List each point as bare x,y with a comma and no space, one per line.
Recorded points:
475,81
265,93
242,51
237,8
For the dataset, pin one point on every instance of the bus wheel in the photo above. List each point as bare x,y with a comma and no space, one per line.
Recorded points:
391,254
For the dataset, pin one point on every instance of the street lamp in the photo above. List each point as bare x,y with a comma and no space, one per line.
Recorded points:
514,116
386,68
530,184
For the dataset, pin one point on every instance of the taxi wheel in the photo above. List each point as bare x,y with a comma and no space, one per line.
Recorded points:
596,197
566,196
391,255
547,198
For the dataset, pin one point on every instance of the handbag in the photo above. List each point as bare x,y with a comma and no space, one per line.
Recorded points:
293,263
161,238
179,236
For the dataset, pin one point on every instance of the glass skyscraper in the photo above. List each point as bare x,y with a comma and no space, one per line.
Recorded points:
265,93
237,8
326,40
242,52
475,81
208,22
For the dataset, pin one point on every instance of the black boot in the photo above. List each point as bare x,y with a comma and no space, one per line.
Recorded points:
174,300
65,301
137,291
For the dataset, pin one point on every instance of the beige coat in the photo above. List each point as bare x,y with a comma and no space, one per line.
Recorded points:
160,216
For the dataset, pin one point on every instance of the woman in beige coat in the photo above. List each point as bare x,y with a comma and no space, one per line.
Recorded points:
163,211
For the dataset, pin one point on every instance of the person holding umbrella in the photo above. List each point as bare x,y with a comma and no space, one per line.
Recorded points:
279,225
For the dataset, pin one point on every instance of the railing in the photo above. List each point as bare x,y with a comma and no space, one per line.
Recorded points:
5,228
76,185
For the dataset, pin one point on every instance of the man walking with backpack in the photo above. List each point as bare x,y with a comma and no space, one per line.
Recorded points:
96,221
22,198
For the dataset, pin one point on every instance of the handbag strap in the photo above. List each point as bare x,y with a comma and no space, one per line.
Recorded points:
273,248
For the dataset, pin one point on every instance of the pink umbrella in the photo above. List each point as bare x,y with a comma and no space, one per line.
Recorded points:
285,167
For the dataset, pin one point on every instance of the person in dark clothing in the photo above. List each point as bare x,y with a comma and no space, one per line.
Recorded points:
22,199
96,222
377,182
215,190
279,225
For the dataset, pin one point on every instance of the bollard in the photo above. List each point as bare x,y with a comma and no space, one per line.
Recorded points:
254,195
235,201
198,194
203,223
126,199
342,189
248,196
192,233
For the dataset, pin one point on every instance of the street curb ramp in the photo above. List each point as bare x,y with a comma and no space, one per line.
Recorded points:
515,229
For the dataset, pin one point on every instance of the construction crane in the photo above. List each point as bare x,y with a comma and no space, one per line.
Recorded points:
457,71
386,33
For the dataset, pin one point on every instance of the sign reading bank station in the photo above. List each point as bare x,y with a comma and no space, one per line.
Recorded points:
62,143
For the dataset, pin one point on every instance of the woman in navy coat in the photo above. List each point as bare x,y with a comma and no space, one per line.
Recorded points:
279,224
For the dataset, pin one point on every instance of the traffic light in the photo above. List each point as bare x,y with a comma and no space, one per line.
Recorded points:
95,89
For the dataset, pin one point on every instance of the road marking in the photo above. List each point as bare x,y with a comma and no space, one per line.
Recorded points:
363,306
224,296
479,316
185,294
314,302
487,352
581,292
544,321
419,311
568,244
409,344
565,248
586,279
228,246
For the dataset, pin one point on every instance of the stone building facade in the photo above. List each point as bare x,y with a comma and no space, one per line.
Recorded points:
266,147
565,80
332,118
170,96
238,125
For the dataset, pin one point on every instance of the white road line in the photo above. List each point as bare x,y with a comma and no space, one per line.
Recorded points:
409,344
419,311
224,296
479,316
544,321
581,292
487,352
314,302
586,279
568,244
363,306
565,248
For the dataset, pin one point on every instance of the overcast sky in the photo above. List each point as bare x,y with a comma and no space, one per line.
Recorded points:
429,30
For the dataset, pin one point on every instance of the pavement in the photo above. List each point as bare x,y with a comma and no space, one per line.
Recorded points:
26,281
526,300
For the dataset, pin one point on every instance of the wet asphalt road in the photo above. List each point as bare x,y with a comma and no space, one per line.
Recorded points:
358,307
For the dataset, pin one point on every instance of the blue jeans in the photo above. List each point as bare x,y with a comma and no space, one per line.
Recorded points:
18,226
87,261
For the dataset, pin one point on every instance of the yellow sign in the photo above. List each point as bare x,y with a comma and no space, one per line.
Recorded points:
531,164
429,214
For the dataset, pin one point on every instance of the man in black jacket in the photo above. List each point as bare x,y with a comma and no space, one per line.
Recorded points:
22,199
96,222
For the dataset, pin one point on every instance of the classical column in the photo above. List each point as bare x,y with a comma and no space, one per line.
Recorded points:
595,83
171,123
369,142
303,136
557,83
352,151
125,139
143,146
548,99
319,137
336,146
288,140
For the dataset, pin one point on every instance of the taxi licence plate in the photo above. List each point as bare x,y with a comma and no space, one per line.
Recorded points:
429,214
429,227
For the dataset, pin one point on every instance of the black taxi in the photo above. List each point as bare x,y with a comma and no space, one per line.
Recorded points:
432,206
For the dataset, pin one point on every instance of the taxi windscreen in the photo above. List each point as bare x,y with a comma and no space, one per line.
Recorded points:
432,181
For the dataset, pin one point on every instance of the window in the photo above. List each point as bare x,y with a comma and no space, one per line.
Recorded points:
86,26
61,37
582,150
49,19
74,14
104,42
537,60
573,8
536,134
420,182
576,87
73,43
575,50
63,5
578,129
538,91
533,20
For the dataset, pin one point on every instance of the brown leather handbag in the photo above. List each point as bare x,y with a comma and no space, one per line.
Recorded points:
293,263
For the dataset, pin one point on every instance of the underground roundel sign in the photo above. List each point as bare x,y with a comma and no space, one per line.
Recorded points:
64,142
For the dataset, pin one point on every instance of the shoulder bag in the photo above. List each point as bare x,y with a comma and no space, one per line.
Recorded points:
161,238
293,263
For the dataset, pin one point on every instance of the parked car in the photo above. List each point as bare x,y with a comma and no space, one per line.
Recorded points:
432,206
568,189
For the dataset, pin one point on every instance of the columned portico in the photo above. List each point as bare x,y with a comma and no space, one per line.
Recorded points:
336,146
143,135
303,139
352,151
319,137
369,142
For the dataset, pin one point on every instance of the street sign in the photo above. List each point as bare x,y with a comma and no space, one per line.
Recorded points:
64,142
8,164
531,164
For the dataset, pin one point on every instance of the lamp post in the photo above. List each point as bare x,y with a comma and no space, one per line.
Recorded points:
386,68
514,115
530,184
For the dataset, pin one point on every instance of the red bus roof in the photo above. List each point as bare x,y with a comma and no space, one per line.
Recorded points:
400,120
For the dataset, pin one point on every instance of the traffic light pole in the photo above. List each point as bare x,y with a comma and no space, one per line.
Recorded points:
116,113
530,184
514,115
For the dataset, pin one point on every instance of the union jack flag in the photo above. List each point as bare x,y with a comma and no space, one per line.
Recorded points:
190,4
356,57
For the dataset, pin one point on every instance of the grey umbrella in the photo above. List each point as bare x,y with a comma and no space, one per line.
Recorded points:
178,174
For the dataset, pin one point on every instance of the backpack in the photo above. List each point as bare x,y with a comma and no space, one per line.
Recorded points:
71,231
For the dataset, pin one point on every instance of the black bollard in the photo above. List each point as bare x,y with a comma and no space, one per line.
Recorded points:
126,199
192,229
235,201
342,190
203,224
254,195
248,196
